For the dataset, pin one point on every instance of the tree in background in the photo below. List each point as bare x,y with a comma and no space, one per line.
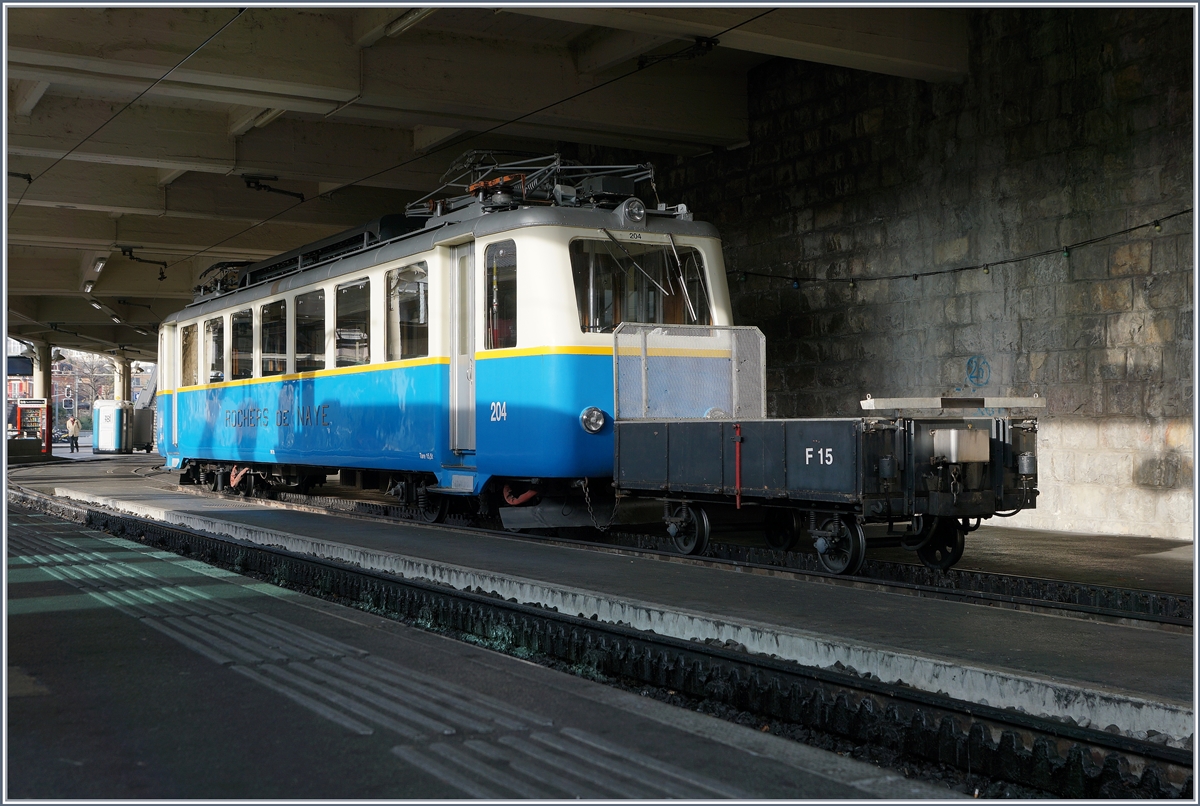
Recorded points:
92,377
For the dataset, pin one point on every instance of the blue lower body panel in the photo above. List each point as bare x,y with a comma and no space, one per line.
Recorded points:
534,431
397,418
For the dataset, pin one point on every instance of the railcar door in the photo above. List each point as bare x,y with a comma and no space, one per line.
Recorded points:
168,352
462,350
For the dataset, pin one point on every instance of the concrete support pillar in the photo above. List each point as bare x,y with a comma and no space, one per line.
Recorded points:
42,385
122,379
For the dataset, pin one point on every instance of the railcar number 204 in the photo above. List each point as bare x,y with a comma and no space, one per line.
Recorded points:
499,411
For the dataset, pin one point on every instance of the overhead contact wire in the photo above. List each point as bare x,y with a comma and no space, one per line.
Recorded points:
475,136
97,130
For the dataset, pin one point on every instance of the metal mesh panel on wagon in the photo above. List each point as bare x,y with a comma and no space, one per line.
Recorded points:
678,372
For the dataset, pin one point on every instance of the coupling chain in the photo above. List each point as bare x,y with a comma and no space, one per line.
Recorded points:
587,499
955,484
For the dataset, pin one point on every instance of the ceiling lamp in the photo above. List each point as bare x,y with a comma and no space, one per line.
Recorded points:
98,266
115,318
88,286
95,304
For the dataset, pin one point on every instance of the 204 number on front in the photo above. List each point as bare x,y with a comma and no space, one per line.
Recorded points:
499,411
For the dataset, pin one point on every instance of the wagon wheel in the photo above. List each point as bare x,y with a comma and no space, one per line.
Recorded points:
945,546
783,529
431,508
846,550
691,536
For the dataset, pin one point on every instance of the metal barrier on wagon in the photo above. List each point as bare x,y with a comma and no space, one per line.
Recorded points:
683,372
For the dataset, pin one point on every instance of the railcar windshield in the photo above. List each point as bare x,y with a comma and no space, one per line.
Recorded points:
626,281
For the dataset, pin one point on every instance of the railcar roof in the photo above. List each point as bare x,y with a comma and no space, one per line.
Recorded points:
467,223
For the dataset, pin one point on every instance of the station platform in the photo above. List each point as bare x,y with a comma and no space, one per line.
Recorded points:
134,673
1103,674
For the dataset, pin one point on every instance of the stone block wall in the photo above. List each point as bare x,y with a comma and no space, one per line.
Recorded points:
1072,125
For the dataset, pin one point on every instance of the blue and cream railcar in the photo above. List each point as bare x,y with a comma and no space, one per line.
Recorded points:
476,349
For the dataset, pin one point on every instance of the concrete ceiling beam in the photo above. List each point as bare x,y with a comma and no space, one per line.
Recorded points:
924,43
242,118
427,137
78,310
131,190
610,48
436,79
477,84
25,96
173,139
159,238
277,44
168,175
108,338
368,24
409,19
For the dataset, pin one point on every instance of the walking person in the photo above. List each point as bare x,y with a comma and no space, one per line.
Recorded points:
73,433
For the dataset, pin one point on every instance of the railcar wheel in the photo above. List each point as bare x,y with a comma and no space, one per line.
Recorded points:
690,536
432,508
945,546
783,529
844,552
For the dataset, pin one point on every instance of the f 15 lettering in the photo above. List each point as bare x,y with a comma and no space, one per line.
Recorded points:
824,456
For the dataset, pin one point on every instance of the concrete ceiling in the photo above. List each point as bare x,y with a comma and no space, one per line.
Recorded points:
360,110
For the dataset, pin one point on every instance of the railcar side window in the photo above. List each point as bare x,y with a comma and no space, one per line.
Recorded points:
187,356
310,331
214,349
629,281
273,325
241,344
500,294
354,323
408,312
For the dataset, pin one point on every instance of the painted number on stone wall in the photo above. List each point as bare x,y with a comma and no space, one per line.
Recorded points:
979,371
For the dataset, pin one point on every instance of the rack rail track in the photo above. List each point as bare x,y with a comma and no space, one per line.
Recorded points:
1057,757
1129,606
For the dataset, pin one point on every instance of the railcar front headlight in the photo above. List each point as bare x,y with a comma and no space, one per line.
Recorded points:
592,420
635,211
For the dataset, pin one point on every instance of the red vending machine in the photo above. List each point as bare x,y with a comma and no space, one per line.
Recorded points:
32,419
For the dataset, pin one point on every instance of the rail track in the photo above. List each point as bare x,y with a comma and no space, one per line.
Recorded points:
1141,608
1050,755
